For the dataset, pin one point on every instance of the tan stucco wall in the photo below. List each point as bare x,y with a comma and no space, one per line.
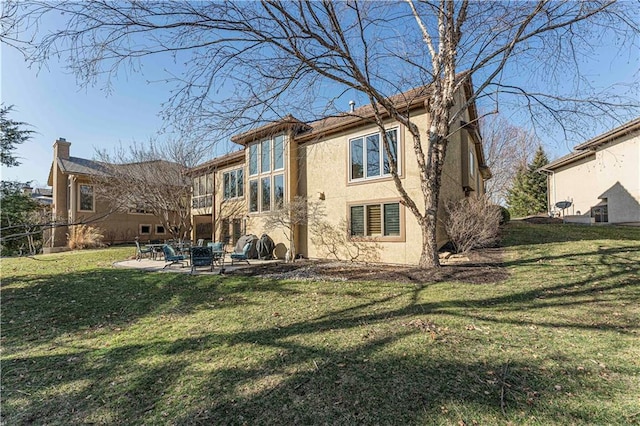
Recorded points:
612,172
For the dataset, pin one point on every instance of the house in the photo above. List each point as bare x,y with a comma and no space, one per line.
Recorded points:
75,200
600,179
338,163
43,196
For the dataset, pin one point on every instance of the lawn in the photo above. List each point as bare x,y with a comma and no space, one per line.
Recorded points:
556,342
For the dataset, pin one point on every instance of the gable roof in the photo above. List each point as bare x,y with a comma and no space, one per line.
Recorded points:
287,122
82,166
224,160
588,148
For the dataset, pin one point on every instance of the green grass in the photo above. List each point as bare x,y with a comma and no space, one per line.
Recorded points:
555,343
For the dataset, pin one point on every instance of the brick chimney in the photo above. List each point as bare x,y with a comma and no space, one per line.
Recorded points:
61,148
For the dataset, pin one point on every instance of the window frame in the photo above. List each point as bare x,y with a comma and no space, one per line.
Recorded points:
364,141
150,226
401,237
93,197
268,171
157,229
233,177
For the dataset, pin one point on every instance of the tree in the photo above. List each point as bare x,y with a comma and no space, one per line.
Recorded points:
11,135
507,148
19,220
528,195
140,178
289,216
274,57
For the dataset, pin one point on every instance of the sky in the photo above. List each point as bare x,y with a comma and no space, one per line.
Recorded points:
55,106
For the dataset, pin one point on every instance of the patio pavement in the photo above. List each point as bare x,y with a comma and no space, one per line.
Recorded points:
158,265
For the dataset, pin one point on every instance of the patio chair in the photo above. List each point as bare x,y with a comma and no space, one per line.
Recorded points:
171,258
201,256
244,256
200,242
140,252
218,253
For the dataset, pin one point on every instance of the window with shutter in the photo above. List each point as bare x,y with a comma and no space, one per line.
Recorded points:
357,220
374,220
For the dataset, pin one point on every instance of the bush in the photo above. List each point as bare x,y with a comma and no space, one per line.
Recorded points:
472,222
84,237
505,215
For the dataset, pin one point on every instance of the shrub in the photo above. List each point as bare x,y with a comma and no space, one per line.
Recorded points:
472,222
83,237
505,215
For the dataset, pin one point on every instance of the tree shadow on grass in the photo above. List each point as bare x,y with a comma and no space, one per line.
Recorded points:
522,233
40,308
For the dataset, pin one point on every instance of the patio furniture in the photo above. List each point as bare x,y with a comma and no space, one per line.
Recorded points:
200,242
244,256
140,252
171,257
201,256
218,253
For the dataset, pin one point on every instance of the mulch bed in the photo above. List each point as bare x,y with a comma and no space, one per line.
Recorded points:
484,267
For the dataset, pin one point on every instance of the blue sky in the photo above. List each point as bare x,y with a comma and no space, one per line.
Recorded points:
56,106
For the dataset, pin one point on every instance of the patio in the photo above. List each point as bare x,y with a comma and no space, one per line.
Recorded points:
152,265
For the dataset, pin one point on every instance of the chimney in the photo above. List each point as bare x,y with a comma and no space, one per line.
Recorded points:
61,148
352,106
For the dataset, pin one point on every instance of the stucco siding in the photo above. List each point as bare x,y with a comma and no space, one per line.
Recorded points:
611,173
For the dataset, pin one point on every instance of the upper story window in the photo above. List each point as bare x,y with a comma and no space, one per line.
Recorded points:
367,157
472,164
202,191
86,198
233,182
266,179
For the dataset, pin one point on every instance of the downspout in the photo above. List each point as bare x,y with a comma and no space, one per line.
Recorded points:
213,206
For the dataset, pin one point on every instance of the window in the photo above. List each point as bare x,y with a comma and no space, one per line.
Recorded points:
233,183
278,153
266,190
86,198
266,194
375,220
236,230
265,157
368,158
278,191
472,165
253,196
600,213
160,229
145,229
253,159
202,191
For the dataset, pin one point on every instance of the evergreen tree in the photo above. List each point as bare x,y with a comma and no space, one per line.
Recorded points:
11,135
528,195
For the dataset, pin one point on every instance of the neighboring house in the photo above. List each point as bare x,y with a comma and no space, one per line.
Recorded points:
75,201
601,178
338,162
43,196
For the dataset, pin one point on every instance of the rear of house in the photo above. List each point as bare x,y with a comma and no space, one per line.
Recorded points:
338,164
601,178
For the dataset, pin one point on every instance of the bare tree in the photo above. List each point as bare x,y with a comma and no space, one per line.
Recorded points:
507,148
139,179
275,57
289,216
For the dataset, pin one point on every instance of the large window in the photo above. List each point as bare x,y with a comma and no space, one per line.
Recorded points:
367,157
202,191
375,220
253,196
233,183
266,181
278,191
86,198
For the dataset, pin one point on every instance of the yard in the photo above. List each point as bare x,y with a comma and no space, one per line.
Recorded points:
548,336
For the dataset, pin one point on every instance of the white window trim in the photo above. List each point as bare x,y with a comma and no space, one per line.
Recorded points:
145,233
363,136
164,232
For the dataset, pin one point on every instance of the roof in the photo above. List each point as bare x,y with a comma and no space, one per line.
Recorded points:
82,166
287,122
408,100
587,148
618,132
224,160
